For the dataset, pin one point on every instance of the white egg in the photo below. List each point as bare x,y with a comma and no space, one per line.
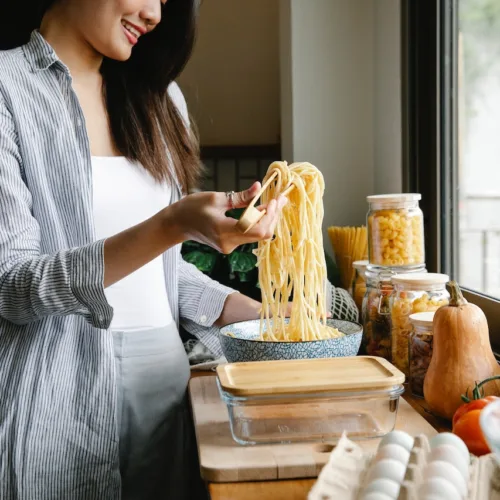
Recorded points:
449,472
376,496
448,453
451,439
382,485
397,437
388,468
439,488
395,451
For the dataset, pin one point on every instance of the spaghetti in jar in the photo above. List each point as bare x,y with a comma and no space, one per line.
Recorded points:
413,293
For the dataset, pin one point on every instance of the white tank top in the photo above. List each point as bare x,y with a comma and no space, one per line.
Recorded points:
125,194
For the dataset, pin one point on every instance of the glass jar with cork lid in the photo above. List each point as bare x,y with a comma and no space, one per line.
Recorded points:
395,230
413,293
420,350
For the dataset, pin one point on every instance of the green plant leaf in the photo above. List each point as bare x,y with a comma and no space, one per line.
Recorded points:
247,248
205,262
191,245
240,262
245,277
235,213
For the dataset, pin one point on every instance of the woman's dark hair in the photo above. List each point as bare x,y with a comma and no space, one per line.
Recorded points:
144,121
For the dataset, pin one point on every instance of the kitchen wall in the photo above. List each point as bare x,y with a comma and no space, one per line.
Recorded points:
327,71
232,82
340,99
328,96
387,123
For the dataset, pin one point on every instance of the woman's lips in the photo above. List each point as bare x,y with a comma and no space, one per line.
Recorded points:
131,38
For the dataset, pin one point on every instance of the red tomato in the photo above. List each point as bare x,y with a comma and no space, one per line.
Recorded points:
475,404
469,430
466,425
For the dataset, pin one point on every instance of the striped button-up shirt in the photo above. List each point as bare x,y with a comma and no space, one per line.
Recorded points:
58,431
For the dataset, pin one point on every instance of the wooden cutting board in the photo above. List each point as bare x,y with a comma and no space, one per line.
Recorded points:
222,460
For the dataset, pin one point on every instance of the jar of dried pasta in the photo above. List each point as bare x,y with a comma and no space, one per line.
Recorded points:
420,350
376,311
358,287
376,314
395,230
413,293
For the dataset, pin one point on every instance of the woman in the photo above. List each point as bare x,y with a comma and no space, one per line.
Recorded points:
93,374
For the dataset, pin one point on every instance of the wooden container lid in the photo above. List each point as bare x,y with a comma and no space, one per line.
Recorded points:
306,376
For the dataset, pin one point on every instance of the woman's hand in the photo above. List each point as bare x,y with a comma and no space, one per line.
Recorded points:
202,217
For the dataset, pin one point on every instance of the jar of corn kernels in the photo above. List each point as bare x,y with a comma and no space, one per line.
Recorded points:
413,293
395,230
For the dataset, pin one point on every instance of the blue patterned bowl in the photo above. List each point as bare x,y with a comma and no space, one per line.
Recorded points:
246,345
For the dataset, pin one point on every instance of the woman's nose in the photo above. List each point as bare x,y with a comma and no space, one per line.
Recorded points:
151,13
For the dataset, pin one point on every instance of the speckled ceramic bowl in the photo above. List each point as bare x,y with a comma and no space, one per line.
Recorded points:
247,346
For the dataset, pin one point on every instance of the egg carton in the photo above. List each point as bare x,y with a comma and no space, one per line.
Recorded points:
353,474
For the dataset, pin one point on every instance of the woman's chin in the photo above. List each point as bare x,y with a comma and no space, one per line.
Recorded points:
122,53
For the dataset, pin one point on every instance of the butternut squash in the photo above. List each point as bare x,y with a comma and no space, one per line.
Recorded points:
461,356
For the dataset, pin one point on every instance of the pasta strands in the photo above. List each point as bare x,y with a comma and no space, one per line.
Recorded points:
294,259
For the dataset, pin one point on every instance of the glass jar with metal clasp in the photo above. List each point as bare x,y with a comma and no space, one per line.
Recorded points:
376,312
358,286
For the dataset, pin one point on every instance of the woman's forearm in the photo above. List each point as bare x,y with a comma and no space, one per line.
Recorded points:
199,216
131,249
238,307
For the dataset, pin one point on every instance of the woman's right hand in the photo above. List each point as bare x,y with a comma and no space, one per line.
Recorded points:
202,217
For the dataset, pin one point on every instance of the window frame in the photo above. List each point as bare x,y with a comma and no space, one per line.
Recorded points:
429,31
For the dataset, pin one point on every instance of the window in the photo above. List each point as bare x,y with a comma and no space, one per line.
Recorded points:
478,65
451,92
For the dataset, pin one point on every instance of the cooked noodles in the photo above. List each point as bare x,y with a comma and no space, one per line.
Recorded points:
294,260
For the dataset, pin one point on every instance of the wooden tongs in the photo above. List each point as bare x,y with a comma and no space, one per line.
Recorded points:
252,215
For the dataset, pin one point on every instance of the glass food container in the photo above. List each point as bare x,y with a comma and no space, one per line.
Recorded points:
395,230
420,350
413,293
310,400
358,287
376,311
376,314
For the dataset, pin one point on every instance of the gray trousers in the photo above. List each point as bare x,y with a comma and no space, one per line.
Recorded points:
158,456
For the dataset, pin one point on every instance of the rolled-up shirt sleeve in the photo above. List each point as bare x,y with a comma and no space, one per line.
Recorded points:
201,301
34,285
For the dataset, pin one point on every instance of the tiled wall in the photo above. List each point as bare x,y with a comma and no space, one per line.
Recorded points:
236,168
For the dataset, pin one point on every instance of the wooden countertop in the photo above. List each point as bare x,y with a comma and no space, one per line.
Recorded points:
297,489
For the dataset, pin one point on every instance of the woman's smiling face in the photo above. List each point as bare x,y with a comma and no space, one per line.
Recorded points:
113,27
